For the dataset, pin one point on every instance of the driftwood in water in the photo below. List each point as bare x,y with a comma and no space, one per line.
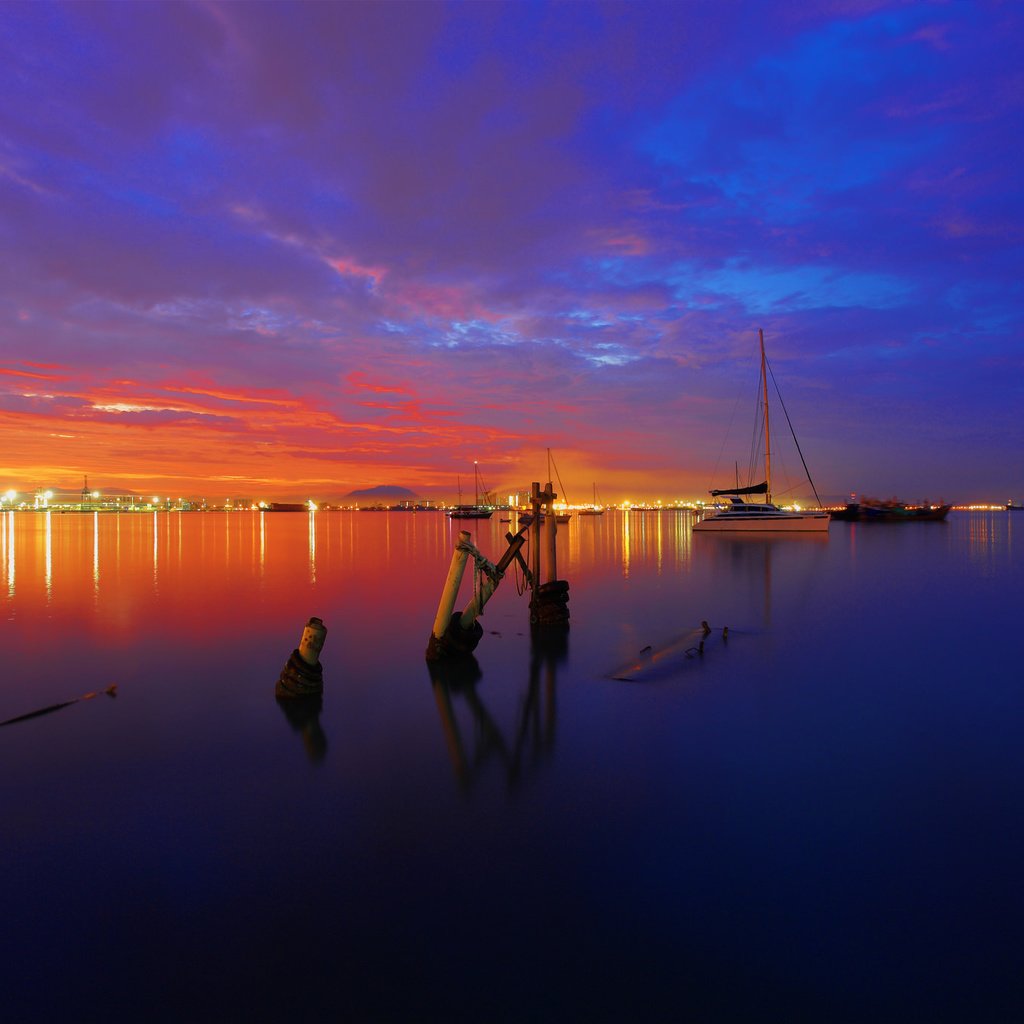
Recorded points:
110,691
671,658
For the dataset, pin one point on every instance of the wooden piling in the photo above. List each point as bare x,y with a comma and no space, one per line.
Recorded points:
458,635
312,643
303,675
535,505
550,599
550,528
460,556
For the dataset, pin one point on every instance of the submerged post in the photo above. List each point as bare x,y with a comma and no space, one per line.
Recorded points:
549,605
460,556
550,528
448,637
312,642
458,634
303,675
535,507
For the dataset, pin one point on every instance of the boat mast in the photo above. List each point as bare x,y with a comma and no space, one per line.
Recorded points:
767,435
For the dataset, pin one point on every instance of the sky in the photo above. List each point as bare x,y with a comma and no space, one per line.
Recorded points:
292,250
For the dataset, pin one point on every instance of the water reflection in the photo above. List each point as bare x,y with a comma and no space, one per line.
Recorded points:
96,550
312,547
845,741
9,548
303,715
659,541
532,735
625,545
748,561
48,532
988,539
263,543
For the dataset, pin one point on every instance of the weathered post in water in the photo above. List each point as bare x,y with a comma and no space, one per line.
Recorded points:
550,530
448,637
535,506
458,634
303,675
549,605
460,556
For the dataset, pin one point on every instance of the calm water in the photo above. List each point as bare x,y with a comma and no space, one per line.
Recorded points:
819,820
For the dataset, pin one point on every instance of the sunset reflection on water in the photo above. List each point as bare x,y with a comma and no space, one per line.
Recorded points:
858,706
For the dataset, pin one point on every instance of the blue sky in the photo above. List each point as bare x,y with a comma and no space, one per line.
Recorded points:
306,248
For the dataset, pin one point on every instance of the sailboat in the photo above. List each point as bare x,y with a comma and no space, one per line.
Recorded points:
525,518
740,516
592,510
476,510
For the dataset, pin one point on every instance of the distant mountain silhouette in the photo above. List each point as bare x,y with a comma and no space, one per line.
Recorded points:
383,491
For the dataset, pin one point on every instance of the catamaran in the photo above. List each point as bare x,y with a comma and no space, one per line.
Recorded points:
747,516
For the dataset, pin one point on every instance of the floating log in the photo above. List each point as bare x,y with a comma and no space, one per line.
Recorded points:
110,691
661,662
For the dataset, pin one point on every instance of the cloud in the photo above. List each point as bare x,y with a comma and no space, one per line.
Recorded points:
305,240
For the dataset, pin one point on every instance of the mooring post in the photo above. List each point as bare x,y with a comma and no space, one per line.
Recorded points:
535,505
460,556
550,527
447,637
550,600
312,643
303,675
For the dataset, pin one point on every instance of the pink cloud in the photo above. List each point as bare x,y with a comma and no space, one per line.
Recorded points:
351,268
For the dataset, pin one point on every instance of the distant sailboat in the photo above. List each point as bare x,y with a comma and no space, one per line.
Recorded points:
748,517
560,517
525,518
594,509
476,510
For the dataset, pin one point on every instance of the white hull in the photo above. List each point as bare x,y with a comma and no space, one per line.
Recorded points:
785,522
